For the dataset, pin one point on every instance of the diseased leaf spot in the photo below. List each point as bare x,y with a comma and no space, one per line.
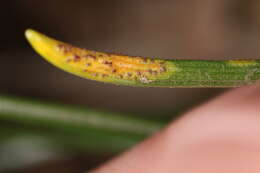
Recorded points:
109,63
65,48
129,74
68,60
109,66
121,76
94,74
89,56
143,79
104,75
162,69
76,58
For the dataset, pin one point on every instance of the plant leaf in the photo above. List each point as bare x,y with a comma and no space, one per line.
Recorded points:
146,72
74,127
72,118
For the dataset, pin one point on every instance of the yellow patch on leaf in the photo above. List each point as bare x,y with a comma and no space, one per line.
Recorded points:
242,63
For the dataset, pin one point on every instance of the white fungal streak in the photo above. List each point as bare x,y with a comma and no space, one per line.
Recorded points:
143,79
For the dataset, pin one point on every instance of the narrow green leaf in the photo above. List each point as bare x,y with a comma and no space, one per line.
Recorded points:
92,141
73,118
69,126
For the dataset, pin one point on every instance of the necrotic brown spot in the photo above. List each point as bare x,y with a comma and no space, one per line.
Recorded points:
89,56
129,74
68,60
162,69
104,75
145,60
154,72
121,76
65,48
95,74
108,63
76,58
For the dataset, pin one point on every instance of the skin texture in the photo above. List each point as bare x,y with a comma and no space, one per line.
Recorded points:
220,136
145,72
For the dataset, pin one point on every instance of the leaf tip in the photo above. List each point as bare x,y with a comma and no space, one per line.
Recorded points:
30,34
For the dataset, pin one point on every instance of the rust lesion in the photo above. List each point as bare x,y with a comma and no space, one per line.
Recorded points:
65,48
88,56
88,64
103,65
76,58
109,63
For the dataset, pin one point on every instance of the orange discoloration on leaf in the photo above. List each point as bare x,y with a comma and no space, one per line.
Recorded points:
97,65
109,65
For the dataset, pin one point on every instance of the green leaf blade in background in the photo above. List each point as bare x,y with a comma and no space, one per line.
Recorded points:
89,130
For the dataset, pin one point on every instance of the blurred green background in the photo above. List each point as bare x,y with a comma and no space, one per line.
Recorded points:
188,29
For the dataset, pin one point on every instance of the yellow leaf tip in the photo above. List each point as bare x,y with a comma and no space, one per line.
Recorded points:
29,33
32,35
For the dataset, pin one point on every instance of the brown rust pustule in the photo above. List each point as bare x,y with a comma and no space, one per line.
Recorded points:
109,63
76,58
104,65
65,48
129,74
105,75
90,56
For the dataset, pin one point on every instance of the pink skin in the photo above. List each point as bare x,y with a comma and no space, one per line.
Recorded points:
221,136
